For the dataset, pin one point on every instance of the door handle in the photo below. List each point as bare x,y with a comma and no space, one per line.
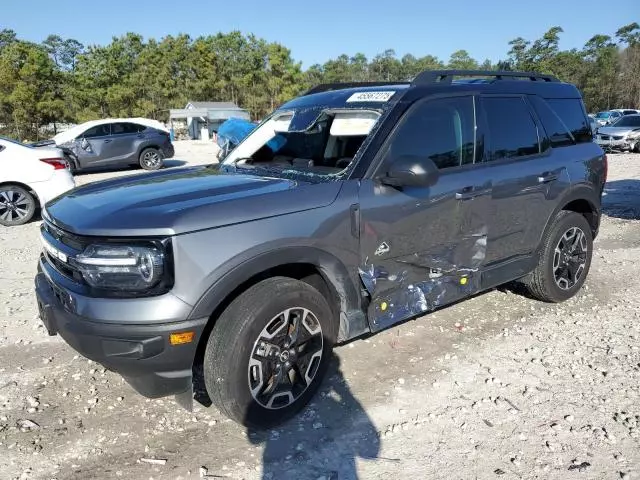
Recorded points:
107,141
468,193
547,177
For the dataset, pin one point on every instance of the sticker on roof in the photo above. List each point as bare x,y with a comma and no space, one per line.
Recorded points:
371,96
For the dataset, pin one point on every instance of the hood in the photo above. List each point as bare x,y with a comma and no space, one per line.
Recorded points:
617,130
171,202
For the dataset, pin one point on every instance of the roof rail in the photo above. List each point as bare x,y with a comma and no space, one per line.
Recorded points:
325,87
446,76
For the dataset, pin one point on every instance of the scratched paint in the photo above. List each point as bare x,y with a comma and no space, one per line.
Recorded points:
423,282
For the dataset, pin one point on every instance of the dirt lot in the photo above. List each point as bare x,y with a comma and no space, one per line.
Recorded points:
498,386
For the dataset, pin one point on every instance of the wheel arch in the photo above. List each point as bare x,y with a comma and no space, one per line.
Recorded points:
27,188
583,200
316,267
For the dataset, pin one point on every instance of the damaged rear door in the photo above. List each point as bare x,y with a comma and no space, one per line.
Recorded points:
422,247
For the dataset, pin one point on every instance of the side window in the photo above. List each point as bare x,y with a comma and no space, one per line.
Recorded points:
125,128
442,130
511,127
558,132
571,112
97,131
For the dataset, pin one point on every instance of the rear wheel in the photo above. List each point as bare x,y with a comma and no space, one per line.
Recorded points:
151,159
17,205
268,352
564,261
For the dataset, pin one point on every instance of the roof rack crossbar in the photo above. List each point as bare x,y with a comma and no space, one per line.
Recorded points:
325,87
446,76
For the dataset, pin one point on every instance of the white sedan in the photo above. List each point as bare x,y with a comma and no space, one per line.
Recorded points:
29,178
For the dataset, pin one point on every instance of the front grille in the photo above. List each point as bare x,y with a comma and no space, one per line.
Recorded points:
604,137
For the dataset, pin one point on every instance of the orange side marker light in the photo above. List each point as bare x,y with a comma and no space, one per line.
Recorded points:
181,338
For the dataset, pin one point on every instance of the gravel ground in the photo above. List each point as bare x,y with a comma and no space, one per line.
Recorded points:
498,386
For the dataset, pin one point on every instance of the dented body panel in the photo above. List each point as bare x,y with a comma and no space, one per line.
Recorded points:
435,246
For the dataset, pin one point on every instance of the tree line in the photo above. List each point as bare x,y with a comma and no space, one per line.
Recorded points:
61,81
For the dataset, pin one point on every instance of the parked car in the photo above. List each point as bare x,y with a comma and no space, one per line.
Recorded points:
29,178
607,117
384,202
622,135
115,142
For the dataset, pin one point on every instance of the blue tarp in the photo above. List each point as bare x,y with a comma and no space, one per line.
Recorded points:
234,130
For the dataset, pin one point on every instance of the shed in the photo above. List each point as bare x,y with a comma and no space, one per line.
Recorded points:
203,118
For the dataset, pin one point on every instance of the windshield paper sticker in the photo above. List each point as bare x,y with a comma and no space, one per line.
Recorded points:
370,97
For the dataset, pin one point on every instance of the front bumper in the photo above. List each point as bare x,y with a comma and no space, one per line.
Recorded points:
612,144
141,353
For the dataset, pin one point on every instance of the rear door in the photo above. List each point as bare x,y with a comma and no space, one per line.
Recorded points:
422,246
527,175
124,136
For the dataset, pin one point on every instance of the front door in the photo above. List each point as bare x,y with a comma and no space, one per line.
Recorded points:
92,147
422,247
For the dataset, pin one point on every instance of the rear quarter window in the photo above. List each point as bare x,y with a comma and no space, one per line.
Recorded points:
561,116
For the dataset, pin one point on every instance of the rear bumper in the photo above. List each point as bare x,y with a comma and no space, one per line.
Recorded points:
168,150
141,353
60,182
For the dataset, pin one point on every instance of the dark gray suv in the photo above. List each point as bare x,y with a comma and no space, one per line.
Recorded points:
115,143
347,210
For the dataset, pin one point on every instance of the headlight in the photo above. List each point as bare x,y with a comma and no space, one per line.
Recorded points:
121,267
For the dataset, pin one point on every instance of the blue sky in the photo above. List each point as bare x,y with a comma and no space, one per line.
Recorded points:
318,31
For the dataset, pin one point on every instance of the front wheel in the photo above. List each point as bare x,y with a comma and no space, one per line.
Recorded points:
564,260
269,351
151,159
17,205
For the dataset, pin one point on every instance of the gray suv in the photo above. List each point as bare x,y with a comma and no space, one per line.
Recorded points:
116,143
347,210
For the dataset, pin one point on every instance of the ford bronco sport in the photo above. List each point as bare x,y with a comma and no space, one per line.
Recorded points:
347,210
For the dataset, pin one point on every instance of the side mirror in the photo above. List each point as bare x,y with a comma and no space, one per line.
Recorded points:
411,171
84,143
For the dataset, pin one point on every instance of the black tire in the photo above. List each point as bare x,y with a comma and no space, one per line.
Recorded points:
234,341
17,205
542,283
151,159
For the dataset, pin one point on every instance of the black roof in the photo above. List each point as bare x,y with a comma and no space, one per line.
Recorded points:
436,81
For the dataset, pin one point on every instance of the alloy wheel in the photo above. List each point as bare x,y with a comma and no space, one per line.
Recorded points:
15,206
570,258
285,358
151,159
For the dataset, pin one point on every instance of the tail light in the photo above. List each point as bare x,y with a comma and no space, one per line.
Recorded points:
56,163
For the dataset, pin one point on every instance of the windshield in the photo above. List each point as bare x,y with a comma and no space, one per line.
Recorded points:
603,115
629,121
311,142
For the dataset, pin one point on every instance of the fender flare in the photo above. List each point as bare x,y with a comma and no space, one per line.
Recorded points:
580,192
335,273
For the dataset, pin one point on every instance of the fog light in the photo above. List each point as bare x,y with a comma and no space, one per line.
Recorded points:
181,338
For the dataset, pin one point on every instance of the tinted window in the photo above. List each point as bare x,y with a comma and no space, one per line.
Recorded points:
97,131
124,128
572,115
557,132
442,130
511,126
629,112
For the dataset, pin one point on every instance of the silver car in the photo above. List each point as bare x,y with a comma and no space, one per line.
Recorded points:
623,135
